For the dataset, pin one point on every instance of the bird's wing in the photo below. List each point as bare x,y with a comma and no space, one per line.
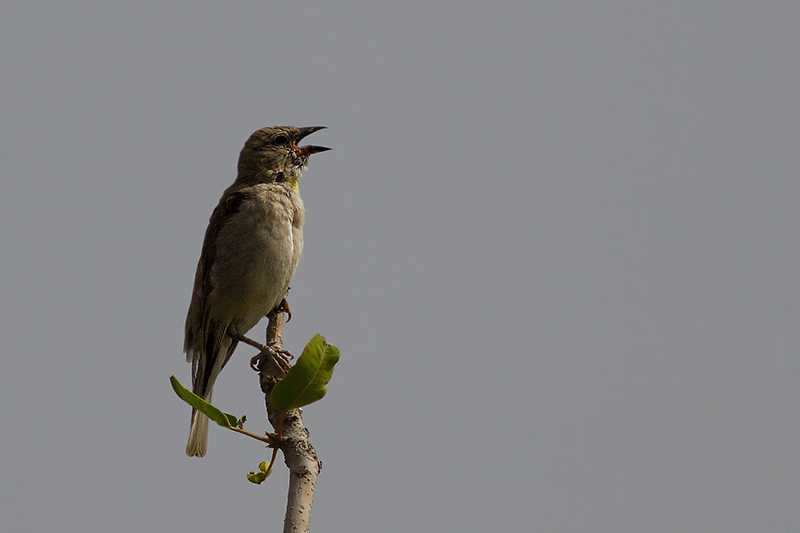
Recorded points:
197,319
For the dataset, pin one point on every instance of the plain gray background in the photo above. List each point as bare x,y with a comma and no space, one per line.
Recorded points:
556,242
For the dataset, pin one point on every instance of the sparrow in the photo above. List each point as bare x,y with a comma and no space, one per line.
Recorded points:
250,252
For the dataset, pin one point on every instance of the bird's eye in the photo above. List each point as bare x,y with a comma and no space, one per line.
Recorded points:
281,139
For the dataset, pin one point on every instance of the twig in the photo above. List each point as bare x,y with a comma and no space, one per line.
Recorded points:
299,455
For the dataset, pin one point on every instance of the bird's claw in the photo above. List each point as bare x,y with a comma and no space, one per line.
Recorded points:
284,308
279,356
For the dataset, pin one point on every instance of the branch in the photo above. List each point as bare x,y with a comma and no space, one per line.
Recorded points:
299,455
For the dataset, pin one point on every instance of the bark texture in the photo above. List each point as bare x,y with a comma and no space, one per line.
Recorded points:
299,455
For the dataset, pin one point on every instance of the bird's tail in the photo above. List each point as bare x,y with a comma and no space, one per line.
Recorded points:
204,374
198,434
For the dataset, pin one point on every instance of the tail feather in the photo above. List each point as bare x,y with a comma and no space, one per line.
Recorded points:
198,434
205,370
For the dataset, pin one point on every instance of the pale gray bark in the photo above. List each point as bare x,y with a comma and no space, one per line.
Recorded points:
299,455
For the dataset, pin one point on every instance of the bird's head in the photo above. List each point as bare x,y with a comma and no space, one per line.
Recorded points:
273,155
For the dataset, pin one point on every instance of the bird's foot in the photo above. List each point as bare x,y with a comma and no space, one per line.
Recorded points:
283,307
250,342
279,356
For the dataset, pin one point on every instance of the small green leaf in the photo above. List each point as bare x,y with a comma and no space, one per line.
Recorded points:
223,419
256,477
305,382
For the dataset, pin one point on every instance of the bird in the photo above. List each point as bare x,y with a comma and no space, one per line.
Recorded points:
250,252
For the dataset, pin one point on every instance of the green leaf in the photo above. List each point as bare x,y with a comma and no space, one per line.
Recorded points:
305,382
223,419
256,477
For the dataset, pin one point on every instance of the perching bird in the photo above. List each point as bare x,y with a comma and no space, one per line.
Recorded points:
250,252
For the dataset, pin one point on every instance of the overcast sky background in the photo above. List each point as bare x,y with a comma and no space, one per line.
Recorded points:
556,242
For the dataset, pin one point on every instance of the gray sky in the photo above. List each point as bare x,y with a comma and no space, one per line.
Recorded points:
556,242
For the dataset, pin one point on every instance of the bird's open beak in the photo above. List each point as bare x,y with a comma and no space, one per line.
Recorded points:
309,149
